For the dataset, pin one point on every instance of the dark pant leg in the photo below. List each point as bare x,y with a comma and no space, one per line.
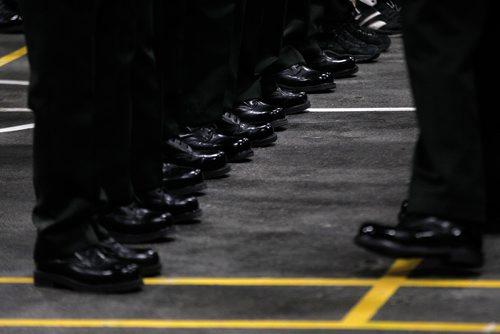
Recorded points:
490,122
298,44
146,104
442,40
60,38
169,37
261,45
333,11
198,37
115,47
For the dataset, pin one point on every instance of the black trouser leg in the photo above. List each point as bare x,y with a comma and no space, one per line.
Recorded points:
114,57
63,94
262,40
448,173
298,44
146,105
203,32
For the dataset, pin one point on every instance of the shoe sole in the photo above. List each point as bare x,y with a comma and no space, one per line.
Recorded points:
461,257
264,142
143,237
193,189
217,173
241,156
280,123
311,89
298,109
346,73
49,280
187,216
359,58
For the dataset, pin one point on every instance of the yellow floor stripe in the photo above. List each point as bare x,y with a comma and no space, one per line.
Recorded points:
252,324
16,280
262,281
437,283
380,293
13,56
340,282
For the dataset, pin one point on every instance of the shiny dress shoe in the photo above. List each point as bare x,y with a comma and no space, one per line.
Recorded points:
10,20
453,243
146,259
90,270
131,224
210,139
181,209
341,68
291,102
338,43
304,79
213,164
369,36
178,180
490,227
257,112
259,136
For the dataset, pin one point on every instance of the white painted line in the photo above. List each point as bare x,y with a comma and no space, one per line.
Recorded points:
18,128
15,110
339,110
14,82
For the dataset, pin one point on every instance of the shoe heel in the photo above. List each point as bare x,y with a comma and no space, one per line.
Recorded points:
42,280
464,257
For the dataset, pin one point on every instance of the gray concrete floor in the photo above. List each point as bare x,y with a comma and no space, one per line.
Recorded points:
290,213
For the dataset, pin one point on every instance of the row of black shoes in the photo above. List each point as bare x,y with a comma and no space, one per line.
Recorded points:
197,154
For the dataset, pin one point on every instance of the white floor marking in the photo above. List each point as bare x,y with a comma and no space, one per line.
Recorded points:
18,128
333,110
15,110
14,82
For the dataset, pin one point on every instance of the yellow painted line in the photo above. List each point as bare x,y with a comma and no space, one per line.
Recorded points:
13,56
16,280
431,327
436,283
340,282
262,281
251,324
380,293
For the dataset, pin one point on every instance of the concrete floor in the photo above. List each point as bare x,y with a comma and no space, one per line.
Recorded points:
290,215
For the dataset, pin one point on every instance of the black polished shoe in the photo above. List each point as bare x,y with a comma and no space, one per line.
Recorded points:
181,209
178,180
369,36
291,102
260,136
453,243
304,79
257,112
10,20
490,227
131,224
90,270
212,164
338,43
210,139
146,259
341,68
